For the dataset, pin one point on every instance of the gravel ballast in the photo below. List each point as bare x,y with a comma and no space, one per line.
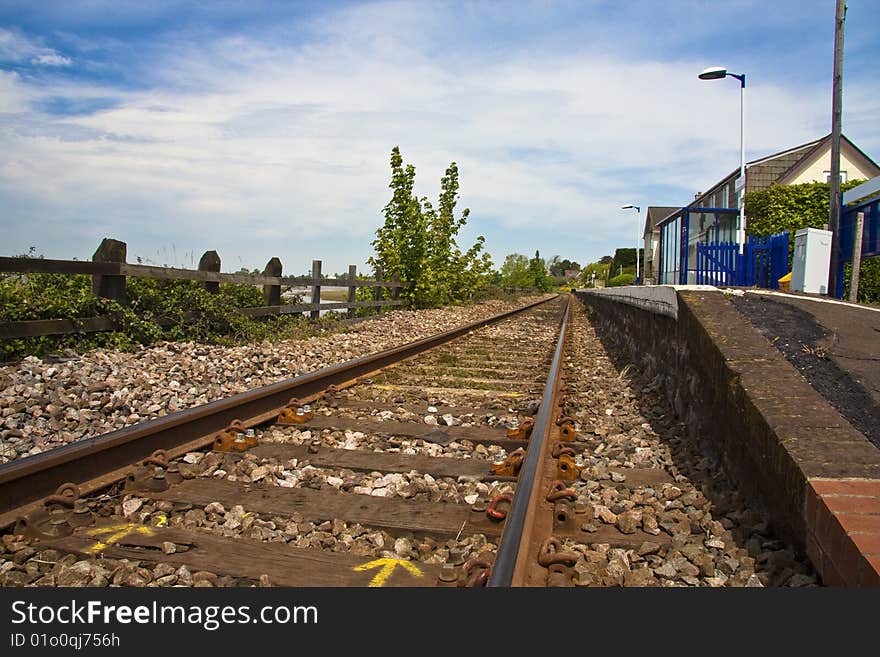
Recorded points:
45,404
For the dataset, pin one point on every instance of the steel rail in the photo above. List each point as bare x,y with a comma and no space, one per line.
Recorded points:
30,479
515,535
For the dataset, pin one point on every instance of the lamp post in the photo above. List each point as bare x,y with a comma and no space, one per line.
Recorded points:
638,235
714,73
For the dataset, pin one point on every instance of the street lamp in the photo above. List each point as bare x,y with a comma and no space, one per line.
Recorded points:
714,73
638,235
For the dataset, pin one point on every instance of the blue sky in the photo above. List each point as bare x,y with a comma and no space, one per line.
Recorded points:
263,129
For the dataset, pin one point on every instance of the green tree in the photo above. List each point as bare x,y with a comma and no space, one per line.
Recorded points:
418,242
538,273
400,244
515,272
600,270
624,262
558,267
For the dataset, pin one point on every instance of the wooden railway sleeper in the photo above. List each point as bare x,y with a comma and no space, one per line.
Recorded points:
234,438
448,576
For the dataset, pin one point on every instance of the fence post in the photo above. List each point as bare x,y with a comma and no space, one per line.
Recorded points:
110,287
272,293
377,291
395,291
316,289
210,261
856,257
352,290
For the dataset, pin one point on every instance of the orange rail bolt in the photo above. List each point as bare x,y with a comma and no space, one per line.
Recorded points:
493,512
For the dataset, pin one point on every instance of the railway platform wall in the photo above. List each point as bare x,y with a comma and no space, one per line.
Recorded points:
817,477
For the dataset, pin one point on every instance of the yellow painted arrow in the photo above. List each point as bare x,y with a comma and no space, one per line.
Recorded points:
116,532
387,565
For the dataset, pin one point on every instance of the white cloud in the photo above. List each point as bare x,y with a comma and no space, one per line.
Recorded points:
13,96
52,59
292,141
15,47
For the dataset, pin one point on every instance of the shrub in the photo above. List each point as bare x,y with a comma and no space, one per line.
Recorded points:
156,310
623,279
869,280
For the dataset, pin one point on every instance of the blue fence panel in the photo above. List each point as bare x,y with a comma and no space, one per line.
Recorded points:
763,262
779,244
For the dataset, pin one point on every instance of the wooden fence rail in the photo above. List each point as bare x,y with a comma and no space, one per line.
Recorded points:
109,271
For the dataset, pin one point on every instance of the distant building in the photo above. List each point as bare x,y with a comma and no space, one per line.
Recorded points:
680,231
571,273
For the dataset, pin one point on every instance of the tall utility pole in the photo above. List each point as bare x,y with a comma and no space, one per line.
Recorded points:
836,104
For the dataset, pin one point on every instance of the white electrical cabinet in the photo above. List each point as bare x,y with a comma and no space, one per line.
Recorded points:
812,257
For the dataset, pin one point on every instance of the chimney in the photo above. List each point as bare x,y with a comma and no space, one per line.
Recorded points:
698,195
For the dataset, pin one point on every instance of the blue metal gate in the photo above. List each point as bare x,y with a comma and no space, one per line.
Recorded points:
763,262
716,263
766,260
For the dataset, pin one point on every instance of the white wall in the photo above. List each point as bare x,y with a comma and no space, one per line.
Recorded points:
814,170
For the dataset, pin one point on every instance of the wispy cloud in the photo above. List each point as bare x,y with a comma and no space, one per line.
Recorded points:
51,59
16,48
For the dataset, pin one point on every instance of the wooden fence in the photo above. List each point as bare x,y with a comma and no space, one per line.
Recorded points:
109,271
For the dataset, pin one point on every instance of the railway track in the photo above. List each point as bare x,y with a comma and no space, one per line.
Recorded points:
371,474
480,457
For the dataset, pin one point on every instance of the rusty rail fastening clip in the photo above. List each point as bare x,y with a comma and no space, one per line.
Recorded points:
65,495
559,491
559,575
483,567
296,412
509,466
562,499
62,512
551,553
154,475
235,438
559,449
492,510
521,430
570,462
566,428
158,458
